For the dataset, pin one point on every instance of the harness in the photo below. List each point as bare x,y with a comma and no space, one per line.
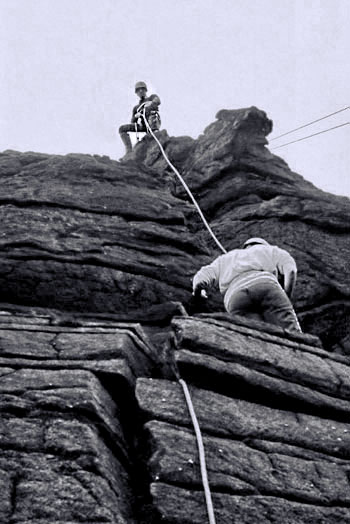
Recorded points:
154,120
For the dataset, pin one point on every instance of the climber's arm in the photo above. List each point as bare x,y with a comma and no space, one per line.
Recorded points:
205,277
290,278
153,102
288,269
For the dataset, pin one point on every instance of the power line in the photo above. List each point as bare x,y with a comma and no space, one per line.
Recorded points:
310,123
314,134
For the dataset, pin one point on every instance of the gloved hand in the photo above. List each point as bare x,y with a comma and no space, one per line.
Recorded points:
138,115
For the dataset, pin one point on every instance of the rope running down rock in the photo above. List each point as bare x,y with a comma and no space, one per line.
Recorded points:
200,445
183,183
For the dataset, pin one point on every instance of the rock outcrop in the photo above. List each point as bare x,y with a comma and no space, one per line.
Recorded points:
86,233
274,413
67,445
94,425
97,322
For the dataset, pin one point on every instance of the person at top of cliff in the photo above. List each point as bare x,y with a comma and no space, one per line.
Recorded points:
150,104
257,280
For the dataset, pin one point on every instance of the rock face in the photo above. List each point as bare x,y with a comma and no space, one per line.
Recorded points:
80,233
86,233
97,324
276,432
67,451
89,433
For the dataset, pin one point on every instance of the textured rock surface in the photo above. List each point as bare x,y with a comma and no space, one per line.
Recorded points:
96,262
76,447
274,414
185,507
80,233
65,440
86,233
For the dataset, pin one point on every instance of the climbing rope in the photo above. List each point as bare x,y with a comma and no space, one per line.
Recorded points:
202,461
183,183
200,445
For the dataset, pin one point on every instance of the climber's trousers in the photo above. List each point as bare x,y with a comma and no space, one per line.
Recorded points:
129,128
268,301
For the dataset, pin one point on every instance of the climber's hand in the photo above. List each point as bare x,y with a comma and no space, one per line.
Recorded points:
147,104
200,292
138,115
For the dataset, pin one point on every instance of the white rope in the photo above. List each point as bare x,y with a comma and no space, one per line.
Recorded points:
197,430
202,462
184,184
192,197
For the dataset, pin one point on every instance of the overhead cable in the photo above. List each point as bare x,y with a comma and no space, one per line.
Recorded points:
314,134
310,123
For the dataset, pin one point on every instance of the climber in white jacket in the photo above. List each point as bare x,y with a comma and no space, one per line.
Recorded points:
249,278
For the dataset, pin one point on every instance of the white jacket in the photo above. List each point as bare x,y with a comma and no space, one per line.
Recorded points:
242,268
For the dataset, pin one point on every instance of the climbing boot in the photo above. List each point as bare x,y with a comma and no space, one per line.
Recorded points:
128,156
126,141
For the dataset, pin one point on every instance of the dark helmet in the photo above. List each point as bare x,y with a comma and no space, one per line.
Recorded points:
255,240
139,85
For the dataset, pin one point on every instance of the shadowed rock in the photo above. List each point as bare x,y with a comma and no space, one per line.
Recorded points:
97,322
87,233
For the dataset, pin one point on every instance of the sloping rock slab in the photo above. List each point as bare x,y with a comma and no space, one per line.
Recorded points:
123,341
233,359
226,417
264,464
181,506
236,467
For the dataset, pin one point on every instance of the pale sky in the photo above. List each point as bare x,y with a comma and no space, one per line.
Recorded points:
68,69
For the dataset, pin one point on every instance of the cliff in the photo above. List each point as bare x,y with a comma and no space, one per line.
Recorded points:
94,425
85,233
96,317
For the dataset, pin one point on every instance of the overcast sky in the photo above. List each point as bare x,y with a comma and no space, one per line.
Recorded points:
69,67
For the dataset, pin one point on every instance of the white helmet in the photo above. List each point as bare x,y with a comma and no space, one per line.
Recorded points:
255,240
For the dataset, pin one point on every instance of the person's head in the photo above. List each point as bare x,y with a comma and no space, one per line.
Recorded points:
140,89
254,241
